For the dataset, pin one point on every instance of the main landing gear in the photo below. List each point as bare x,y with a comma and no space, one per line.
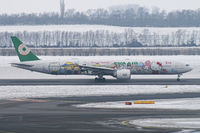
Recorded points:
178,78
100,78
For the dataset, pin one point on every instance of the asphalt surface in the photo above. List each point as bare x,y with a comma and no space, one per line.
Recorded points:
50,115
93,82
56,114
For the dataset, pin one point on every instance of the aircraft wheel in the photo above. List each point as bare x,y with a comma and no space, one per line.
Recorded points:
178,79
96,79
100,79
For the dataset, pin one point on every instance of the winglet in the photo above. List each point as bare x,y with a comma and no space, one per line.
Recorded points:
23,52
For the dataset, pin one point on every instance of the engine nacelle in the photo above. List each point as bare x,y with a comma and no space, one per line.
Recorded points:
124,74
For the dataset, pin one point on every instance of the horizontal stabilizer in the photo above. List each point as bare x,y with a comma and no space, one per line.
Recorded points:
20,65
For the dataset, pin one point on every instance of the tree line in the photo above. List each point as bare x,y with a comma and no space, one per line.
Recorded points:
142,17
103,38
106,51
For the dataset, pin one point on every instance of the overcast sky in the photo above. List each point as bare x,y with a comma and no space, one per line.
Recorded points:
28,6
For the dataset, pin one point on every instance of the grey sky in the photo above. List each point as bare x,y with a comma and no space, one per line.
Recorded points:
18,6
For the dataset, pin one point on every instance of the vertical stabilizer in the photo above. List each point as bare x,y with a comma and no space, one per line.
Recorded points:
23,52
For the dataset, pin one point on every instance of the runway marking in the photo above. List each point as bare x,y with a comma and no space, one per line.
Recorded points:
28,100
17,100
126,123
70,101
36,101
1,131
10,101
5,103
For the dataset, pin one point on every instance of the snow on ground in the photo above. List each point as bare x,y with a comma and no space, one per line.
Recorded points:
84,28
96,90
180,104
184,123
8,72
70,28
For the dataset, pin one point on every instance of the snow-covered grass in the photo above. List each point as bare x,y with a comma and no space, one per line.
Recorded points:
8,72
78,91
184,123
71,28
84,28
180,104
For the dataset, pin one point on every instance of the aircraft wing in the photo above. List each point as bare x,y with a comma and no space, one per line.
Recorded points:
96,69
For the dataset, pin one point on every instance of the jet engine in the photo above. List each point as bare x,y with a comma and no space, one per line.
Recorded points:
123,74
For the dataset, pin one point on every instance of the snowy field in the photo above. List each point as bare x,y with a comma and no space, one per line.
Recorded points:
8,72
179,104
84,28
184,123
96,90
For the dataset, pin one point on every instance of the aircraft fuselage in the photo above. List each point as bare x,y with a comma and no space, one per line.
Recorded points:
70,66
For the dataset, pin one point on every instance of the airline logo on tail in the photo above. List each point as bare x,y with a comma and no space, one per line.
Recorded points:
23,50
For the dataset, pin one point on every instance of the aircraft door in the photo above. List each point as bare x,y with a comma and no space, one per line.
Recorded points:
179,65
179,68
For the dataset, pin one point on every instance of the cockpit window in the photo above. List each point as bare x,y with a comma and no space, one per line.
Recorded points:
187,65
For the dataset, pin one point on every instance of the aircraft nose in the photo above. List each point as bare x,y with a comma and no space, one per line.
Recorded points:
188,68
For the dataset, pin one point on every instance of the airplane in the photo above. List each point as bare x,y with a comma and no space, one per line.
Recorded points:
121,69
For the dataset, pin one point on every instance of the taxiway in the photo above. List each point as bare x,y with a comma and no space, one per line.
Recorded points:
16,82
58,115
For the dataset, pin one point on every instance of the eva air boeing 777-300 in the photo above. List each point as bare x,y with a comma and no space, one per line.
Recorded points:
119,67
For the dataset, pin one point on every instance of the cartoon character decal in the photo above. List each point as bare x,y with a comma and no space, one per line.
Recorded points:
70,68
147,66
164,70
129,66
139,67
156,67
136,67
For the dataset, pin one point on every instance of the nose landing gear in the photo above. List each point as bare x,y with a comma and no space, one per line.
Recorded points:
179,76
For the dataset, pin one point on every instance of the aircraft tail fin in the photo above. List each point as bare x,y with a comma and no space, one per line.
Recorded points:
23,52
